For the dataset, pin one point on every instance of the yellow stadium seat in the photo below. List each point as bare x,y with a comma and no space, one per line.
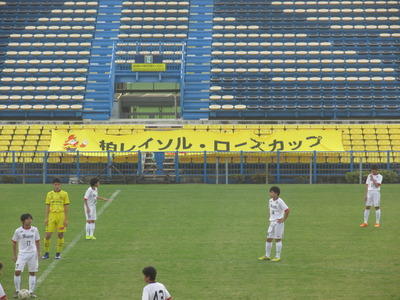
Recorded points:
383,142
358,148
370,142
381,131
382,136
357,142
29,148
30,143
369,137
34,132
394,130
15,148
32,137
384,147
396,143
369,131
371,148
357,136
19,137
7,131
355,131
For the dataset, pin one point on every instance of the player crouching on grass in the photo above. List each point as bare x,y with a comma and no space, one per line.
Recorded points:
278,213
3,295
153,290
90,201
26,238
373,196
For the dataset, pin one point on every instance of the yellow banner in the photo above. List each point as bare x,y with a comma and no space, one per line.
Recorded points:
189,140
149,67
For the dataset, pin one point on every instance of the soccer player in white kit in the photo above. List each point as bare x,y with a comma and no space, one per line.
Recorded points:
278,213
153,290
3,295
26,238
90,201
373,196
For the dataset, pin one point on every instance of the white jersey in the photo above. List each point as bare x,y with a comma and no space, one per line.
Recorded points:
2,293
91,196
371,186
26,239
277,209
155,291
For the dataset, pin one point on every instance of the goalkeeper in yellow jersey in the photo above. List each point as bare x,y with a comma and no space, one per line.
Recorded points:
56,217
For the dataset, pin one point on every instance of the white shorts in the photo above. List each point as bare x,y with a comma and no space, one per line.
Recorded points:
93,214
276,230
27,258
373,198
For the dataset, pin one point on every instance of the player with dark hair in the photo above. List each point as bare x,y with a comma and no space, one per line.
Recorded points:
373,196
278,213
27,240
56,219
90,201
153,290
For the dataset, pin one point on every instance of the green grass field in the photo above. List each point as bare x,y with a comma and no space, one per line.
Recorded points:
205,239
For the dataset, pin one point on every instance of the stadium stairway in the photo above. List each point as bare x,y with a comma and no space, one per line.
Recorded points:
99,91
198,55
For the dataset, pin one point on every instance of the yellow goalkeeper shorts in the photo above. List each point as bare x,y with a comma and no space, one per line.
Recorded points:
56,223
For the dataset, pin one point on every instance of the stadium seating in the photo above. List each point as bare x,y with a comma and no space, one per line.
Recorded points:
372,137
46,48
316,59
233,59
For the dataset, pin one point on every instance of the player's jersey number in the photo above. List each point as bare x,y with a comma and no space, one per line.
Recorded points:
159,295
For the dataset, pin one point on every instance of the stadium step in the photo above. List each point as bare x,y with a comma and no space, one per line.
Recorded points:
100,90
197,72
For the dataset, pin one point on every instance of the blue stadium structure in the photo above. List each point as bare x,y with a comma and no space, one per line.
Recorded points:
225,59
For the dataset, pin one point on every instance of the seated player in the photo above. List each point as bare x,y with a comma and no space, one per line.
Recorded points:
26,238
153,290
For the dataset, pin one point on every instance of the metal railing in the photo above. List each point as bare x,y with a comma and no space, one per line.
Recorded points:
196,167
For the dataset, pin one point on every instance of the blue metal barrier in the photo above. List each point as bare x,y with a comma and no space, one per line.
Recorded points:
199,167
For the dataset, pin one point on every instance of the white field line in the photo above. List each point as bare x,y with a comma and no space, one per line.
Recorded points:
71,245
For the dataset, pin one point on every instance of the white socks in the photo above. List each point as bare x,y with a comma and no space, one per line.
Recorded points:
32,283
378,216
278,249
92,227
87,229
17,283
268,247
366,215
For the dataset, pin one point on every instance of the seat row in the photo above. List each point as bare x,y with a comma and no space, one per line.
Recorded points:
47,53
46,61
52,35
41,97
152,35
41,107
42,88
156,3
341,3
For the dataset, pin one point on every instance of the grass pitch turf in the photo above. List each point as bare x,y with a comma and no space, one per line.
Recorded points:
205,239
